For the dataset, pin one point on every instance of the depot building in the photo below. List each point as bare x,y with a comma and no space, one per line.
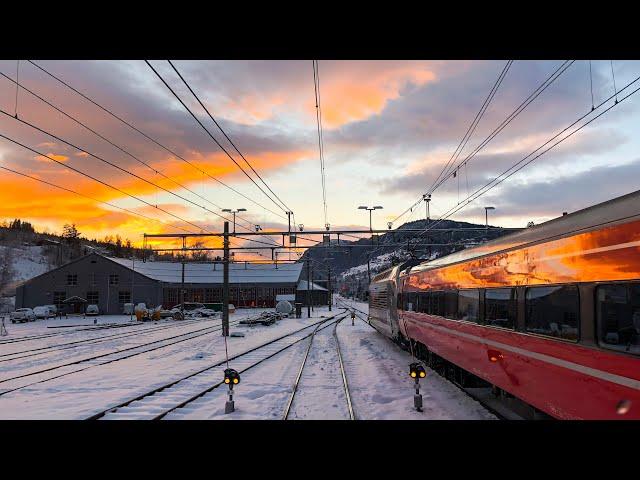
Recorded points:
111,282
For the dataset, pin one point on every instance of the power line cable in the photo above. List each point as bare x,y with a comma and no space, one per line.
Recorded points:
99,181
92,198
521,163
537,92
227,136
58,109
316,85
470,129
148,137
211,135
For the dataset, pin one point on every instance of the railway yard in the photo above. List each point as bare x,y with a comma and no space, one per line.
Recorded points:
321,367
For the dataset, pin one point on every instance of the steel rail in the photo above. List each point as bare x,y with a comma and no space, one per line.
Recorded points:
126,403
89,341
299,376
67,332
352,415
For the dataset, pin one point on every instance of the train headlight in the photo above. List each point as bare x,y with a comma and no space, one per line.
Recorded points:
416,370
231,377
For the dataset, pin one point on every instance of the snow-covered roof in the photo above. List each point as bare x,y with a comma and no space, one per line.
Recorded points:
302,285
239,273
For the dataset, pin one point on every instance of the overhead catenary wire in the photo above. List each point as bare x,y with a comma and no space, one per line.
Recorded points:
472,127
525,103
99,181
470,130
58,109
527,160
227,136
60,187
211,135
316,85
153,140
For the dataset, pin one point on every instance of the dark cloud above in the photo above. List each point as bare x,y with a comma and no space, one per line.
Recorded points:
567,194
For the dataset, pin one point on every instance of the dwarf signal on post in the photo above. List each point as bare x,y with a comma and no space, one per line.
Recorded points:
417,371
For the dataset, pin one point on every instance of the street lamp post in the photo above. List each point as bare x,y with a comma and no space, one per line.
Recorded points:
427,199
229,210
486,216
370,209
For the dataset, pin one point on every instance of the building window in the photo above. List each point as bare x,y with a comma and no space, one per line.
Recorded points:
500,307
469,305
553,311
124,296
92,298
72,279
58,299
618,314
92,281
114,279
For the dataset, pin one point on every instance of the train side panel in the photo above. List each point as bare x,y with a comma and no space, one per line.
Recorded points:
566,381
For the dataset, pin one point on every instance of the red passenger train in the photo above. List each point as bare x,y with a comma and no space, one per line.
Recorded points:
549,317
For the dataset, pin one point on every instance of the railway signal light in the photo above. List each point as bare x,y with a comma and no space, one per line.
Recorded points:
417,371
231,378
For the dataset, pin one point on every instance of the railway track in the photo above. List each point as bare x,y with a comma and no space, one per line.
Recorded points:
345,385
27,338
103,359
6,357
178,394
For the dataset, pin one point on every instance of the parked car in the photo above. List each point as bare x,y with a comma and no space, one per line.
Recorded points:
22,315
92,310
41,312
53,310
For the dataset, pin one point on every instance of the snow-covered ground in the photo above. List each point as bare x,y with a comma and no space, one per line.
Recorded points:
376,370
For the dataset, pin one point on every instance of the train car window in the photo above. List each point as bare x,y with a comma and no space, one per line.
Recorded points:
468,305
500,307
553,311
437,303
618,314
450,304
423,302
410,301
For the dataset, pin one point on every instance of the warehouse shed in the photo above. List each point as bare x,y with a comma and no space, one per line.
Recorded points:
111,282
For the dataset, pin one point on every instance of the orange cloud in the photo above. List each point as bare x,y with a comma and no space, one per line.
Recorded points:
60,158
345,100
49,207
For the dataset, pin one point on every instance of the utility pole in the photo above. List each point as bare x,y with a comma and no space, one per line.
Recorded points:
184,246
308,279
370,209
133,272
311,283
225,283
329,284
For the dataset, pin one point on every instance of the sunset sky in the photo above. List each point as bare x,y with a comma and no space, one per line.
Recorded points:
389,127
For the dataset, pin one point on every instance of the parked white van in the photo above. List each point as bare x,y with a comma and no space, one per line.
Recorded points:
41,312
